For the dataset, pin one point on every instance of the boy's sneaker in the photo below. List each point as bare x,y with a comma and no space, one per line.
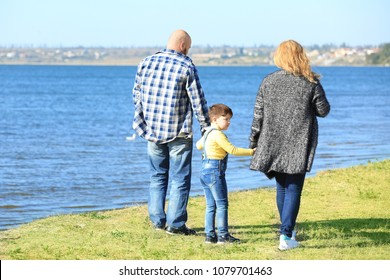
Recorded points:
287,243
210,239
227,239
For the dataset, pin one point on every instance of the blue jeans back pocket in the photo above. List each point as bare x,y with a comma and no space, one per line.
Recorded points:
209,177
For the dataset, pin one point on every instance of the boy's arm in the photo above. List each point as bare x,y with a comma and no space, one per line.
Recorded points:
224,143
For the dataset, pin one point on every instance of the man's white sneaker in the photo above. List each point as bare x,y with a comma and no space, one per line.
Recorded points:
287,243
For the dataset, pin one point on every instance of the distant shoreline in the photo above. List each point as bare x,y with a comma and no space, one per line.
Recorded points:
201,56
198,65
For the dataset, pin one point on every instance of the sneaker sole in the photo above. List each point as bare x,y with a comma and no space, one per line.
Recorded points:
221,243
180,233
287,248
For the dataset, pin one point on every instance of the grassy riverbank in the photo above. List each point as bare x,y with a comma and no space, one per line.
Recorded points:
344,215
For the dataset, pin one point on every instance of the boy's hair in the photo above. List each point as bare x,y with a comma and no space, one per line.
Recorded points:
218,110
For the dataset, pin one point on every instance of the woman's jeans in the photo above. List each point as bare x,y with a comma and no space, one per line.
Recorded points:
216,193
288,199
170,160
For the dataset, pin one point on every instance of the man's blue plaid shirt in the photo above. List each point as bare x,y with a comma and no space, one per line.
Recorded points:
166,93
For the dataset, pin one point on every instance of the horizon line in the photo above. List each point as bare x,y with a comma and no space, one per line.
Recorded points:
44,46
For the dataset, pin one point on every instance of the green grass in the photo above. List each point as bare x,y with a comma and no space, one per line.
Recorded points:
344,215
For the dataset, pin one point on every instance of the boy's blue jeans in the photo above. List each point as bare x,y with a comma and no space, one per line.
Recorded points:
170,160
288,199
216,193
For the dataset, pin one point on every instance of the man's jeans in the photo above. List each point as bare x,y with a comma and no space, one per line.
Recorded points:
170,160
288,199
216,193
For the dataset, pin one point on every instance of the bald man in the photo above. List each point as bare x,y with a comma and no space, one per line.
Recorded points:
179,41
166,94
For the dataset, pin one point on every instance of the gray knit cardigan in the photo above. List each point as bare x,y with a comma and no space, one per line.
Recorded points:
285,128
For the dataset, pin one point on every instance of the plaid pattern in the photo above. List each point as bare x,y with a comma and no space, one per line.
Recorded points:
166,93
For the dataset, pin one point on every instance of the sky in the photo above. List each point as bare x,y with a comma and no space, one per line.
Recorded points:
148,23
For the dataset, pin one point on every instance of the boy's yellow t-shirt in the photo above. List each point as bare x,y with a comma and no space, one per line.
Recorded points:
218,145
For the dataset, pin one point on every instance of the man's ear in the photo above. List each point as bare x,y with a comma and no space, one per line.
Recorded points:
183,48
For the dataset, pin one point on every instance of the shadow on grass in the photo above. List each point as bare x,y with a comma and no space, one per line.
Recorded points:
356,232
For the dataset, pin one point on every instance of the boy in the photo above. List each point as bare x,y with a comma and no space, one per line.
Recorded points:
216,148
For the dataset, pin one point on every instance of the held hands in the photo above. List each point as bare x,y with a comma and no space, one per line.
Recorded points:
254,150
253,144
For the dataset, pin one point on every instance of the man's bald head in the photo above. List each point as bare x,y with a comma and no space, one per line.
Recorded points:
179,41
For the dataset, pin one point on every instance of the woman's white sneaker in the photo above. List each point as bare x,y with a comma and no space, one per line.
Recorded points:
294,235
287,243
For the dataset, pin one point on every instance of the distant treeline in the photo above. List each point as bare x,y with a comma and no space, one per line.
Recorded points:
325,55
381,57
323,47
